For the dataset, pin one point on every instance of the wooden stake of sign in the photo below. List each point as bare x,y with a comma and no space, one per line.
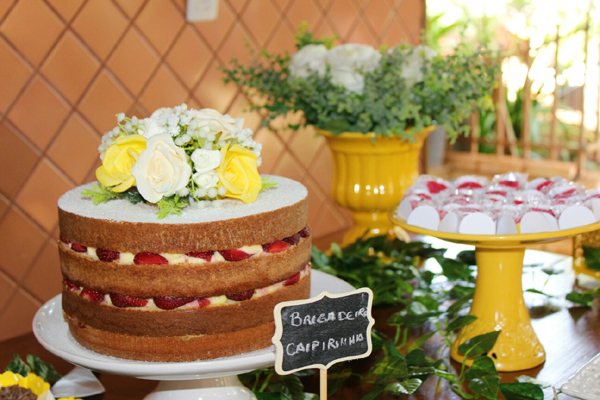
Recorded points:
322,331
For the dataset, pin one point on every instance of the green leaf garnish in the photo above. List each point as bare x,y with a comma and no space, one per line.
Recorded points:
100,194
267,184
171,205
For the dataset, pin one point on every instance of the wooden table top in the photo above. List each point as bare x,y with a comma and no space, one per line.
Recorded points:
569,334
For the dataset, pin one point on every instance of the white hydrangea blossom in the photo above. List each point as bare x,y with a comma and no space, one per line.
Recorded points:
108,139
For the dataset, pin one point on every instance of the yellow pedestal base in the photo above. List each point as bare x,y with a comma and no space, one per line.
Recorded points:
499,306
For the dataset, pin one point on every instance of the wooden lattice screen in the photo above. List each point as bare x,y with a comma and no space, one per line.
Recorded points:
512,153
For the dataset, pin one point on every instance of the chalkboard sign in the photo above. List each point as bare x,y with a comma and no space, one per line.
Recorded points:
321,331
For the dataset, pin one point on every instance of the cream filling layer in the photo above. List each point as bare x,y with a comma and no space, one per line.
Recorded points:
126,258
214,301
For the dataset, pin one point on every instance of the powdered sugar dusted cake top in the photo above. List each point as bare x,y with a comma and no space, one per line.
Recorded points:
286,193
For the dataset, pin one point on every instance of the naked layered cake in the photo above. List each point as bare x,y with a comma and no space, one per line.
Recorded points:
164,263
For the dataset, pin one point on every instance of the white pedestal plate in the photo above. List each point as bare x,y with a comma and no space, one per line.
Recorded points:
199,380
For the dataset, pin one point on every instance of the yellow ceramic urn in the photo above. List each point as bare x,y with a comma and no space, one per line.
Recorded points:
371,174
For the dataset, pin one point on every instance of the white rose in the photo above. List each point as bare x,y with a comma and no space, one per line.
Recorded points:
411,71
207,180
349,62
210,120
156,114
206,160
148,128
308,59
162,169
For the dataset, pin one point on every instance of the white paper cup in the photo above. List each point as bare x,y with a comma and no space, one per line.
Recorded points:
506,225
535,222
450,223
477,223
575,216
424,217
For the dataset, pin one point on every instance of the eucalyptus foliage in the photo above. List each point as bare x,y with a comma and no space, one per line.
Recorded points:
452,87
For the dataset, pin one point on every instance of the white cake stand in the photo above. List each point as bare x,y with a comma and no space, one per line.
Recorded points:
200,380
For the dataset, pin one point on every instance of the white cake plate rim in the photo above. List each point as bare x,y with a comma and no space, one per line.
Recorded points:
52,332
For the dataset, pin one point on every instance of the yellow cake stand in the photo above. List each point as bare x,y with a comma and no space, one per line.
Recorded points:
498,301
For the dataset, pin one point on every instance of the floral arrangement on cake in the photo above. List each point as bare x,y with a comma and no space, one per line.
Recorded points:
356,88
176,157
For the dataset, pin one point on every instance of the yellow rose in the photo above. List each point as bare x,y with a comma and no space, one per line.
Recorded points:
238,173
118,161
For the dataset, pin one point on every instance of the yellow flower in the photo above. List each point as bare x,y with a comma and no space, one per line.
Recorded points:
10,379
238,173
118,161
31,382
36,384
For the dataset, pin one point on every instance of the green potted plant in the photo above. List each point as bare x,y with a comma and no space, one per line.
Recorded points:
374,108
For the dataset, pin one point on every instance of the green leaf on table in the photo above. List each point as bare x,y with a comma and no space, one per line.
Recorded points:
454,269
483,377
319,259
458,291
482,366
535,291
390,368
18,366
521,391
486,386
376,391
460,322
288,384
467,257
408,386
430,303
459,304
390,346
419,342
416,356
591,255
478,345
583,298
42,369
336,377
271,396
